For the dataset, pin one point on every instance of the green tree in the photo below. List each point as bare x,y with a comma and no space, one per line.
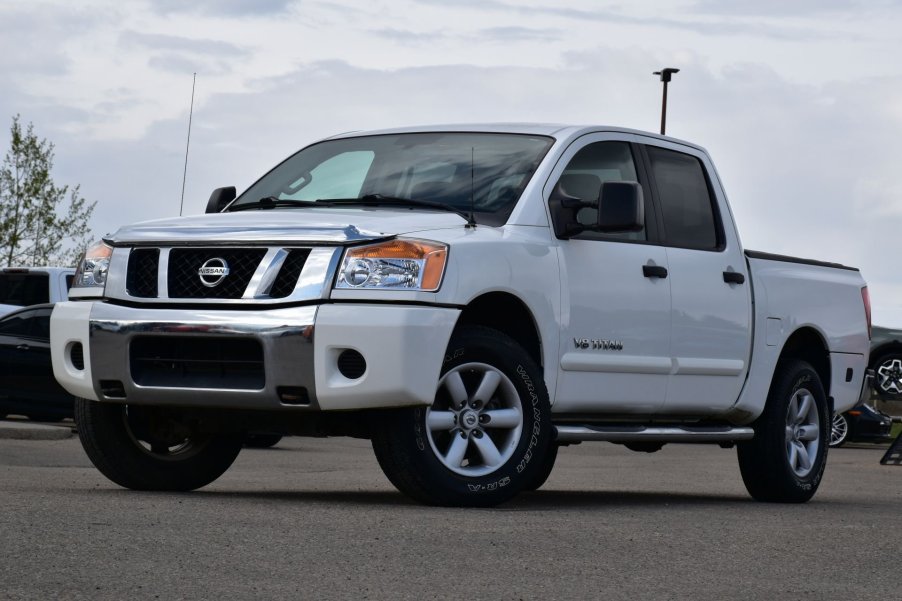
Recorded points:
40,223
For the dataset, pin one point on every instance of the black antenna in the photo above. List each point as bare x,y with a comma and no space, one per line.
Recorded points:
187,145
471,218
666,74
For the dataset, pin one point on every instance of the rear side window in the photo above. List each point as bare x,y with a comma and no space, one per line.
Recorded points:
686,204
24,289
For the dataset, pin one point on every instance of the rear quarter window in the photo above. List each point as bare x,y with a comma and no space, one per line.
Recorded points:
24,289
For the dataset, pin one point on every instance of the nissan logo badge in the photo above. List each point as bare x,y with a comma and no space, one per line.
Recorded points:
213,272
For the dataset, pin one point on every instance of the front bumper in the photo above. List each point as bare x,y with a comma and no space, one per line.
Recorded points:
403,347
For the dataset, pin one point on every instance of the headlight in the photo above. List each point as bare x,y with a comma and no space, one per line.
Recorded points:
93,267
394,265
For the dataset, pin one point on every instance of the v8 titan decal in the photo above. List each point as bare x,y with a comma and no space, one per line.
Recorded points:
598,344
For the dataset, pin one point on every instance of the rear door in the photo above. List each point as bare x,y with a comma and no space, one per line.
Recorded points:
615,322
709,283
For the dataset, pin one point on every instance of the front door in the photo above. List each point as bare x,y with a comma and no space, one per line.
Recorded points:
615,323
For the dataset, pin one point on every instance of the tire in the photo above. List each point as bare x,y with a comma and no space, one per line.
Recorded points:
773,468
839,430
150,448
888,377
542,475
261,441
448,454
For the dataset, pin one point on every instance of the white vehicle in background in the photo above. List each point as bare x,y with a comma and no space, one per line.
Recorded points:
25,286
469,298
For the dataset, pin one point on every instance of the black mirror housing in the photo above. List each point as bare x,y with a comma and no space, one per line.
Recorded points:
220,198
621,207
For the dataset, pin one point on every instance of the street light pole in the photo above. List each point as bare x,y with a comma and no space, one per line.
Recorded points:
665,74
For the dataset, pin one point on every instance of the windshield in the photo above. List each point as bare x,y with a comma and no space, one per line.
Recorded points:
443,168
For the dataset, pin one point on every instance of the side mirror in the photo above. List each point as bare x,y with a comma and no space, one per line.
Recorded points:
220,198
621,207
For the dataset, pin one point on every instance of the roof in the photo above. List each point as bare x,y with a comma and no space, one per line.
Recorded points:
556,130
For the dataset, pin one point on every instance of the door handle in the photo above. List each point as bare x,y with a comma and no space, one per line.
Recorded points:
733,277
23,347
654,271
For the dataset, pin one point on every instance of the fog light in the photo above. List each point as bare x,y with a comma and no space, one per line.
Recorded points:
351,364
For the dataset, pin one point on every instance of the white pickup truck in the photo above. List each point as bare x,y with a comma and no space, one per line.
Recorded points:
469,298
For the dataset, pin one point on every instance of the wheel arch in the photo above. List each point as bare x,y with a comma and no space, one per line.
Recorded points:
894,346
506,313
808,344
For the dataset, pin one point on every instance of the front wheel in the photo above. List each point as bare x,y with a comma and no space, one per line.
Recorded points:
785,461
483,439
151,448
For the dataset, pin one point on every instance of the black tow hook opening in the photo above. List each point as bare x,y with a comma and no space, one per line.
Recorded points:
112,389
293,395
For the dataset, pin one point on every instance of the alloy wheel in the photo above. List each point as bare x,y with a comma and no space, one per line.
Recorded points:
802,432
476,421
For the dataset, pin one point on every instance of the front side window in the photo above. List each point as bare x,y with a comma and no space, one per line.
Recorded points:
686,203
588,170
485,172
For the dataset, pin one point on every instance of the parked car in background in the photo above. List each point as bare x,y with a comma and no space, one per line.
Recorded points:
861,424
27,385
24,286
886,361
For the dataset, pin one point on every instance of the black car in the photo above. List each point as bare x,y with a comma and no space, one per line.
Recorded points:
860,424
27,385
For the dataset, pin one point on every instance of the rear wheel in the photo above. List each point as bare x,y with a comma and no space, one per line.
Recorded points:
151,448
785,460
485,436
839,430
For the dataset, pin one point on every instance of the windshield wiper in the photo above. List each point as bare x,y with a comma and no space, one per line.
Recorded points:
268,202
383,200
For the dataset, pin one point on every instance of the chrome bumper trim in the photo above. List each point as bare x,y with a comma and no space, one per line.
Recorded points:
286,336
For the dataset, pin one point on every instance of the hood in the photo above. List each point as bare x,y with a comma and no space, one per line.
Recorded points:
306,226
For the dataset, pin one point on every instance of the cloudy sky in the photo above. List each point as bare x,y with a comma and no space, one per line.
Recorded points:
799,101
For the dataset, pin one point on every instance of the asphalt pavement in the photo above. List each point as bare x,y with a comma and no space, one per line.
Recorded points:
316,519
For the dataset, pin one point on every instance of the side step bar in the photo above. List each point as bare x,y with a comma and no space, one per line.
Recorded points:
576,433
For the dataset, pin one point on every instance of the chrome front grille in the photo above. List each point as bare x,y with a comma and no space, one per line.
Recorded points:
221,274
143,264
